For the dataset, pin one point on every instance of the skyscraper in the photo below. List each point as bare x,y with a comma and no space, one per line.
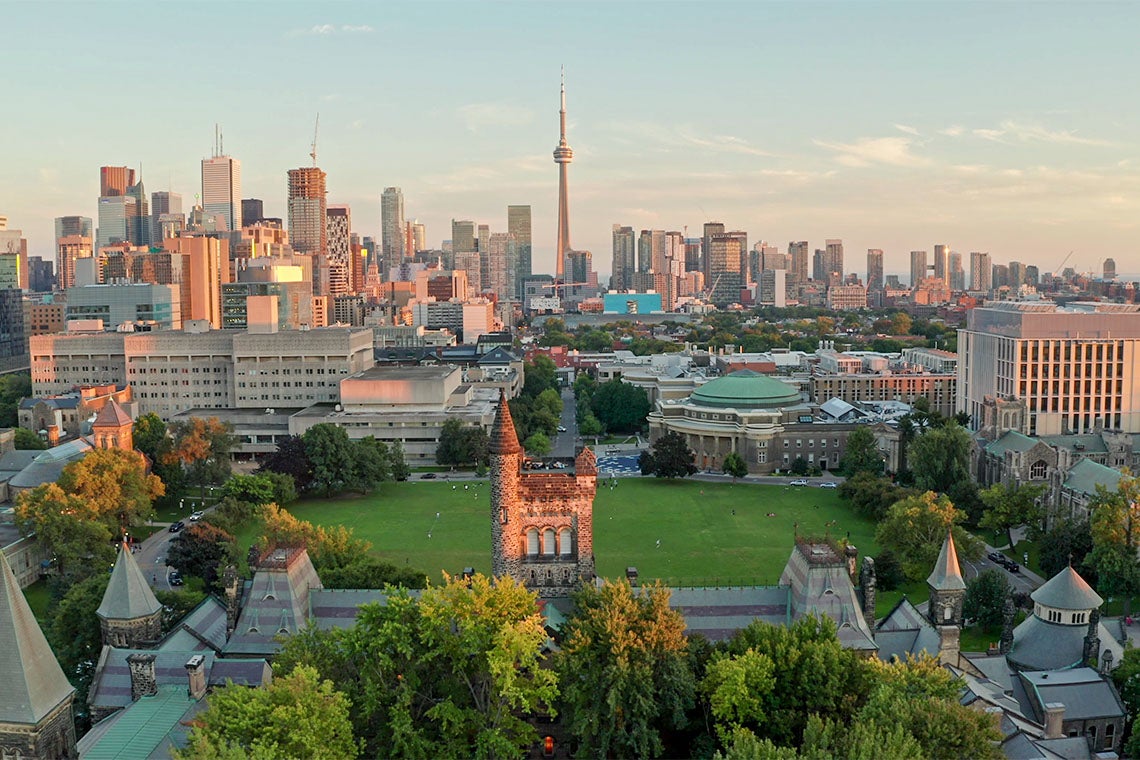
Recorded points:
221,188
724,268
563,155
392,238
942,263
957,273
163,203
138,225
623,264
502,253
308,225
917,268
338,223
981,271
710,229
462,237
74,225
114,180
834,261
518,224
252,211
69,249
797,264
115,214
1109,269
874,269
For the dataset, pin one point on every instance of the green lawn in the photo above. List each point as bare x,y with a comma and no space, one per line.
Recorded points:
39,599
709,532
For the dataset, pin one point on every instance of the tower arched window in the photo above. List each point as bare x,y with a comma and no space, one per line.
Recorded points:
532,541
565,542
1038,470
548,547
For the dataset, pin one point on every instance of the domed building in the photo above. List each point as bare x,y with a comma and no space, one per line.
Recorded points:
763,419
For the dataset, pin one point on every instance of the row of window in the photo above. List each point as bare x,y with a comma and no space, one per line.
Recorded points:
548,543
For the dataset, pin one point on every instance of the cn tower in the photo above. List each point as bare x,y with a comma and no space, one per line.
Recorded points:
563,155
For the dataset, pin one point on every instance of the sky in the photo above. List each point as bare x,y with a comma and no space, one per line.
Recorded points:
1003,127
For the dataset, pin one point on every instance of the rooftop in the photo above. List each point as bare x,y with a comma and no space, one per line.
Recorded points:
746,389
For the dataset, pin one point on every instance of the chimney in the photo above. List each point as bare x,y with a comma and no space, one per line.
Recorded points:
230,584
53,435
1054,720
949,644
852,555
143,682
868,582
196,673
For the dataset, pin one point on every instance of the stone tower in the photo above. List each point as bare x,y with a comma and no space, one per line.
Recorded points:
35,698
129,615
542,523
113,428
947,594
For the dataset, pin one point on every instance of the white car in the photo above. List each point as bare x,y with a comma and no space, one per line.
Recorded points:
800,482
561,429
829,484
196,516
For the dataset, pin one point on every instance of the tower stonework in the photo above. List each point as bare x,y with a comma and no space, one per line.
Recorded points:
542,523
947,587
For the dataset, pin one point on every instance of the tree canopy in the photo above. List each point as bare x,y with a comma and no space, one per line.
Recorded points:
861,453
669,457
940,458
461,444
1008,506
915,527
1115,528
620,407
202,447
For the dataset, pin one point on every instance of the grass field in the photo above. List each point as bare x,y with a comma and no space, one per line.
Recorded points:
709,532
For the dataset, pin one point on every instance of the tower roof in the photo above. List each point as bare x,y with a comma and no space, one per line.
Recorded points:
1067,590
504,439
947,575
128,595
112,415
33,682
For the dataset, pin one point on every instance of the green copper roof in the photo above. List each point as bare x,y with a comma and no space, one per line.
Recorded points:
1086,475
128,595
1011,441
142,726
746,389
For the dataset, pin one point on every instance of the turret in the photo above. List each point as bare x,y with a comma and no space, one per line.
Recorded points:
506,462
130,615
947,588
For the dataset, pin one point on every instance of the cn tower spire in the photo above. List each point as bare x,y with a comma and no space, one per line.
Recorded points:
563,155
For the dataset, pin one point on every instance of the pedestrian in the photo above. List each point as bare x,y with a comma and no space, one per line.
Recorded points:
659,543
437,515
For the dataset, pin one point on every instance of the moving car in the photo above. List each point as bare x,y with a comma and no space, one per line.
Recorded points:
829,484
800,482
175,527
175,578
196,516
428,476
561,429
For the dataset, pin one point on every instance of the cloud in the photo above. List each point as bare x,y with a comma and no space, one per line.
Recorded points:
866,151
953,130
323,29
1036,133
477,116
907,129
326,30
361,29
664,139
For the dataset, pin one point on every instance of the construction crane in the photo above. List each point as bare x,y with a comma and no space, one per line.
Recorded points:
556,285
1063,261
316,128
710,290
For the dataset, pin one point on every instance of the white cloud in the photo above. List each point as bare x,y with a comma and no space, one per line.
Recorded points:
323,29
361,29
909,130
866,151
1027,133
664,139
953,130
477,116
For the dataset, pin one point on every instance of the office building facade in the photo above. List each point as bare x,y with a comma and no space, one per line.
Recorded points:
393,240
221,191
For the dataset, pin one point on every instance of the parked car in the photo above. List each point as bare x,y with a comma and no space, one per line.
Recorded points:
428,476
997,557
561,429
196,516
829,484
800,482
175,527
175,578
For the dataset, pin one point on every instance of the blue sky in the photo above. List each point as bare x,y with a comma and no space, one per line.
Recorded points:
1004,127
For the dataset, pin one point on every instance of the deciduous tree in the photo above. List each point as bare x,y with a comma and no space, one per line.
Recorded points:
1115,524
621,407
940,458
669,457
861,453
985,599
202,551
290,459
735,465
27,440
332,458
202,446
1009,506
149,434
537,444
915,527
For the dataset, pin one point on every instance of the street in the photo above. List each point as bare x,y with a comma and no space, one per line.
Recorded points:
564,444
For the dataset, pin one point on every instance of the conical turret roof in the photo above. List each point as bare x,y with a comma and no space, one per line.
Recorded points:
947,575
1067,590
504,439
128,595
31,682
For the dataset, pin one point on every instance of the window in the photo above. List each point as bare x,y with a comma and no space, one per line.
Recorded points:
565,542
548,542
1037,470
532,541
1109,736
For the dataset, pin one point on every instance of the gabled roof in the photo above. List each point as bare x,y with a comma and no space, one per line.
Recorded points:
1090,443
1067,590
498,356
1010,441
128,595
31,682
947,574
836,407
112,415
1086,475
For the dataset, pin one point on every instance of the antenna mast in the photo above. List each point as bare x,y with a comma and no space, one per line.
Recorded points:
316,128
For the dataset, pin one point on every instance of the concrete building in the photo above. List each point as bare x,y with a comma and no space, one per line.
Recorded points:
393,243
846,297
981,272
1073,366
874,269
221,190
308,230
724,275
917,268
772,288
519,225
125,303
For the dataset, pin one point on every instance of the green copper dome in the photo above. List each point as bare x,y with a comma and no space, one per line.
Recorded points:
746,389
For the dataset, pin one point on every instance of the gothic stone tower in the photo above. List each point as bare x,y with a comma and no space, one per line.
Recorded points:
542,523
947,594
129,615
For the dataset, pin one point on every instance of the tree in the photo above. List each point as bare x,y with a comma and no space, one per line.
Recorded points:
202,551
1008,506
940,458
1115,526
669,457
861,453
290,459
397,463
298,716
74,633
871,495
202,447
372,464
538,375
367,571
590,426
889,573
735,465
149,434
620,407
623,670
13,387
551,399
800,466
1127,679
332,458
985,599
900,323
915,527
454,673
78,537
537,444
254,489
1067,542
461,444
27,440
115,485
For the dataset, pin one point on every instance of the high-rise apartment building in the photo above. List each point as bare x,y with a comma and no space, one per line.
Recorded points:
41,276
69,249
724,268
1032,275
13,338
981,271
827,263
115,215
308,223
957,273
13,258
163,206
463,236
1109,269
74,225
797,264
942,263
917,268
693,255
624,244
221,190
502,257
139,224
338,223
1074,368
710,229
518,225
1016,274
114,180
874,269
392,237
415,238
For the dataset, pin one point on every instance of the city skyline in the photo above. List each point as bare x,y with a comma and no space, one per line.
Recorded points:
878,124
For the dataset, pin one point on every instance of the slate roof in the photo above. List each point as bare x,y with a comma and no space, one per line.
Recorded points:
337,608
47,465
1086,475
59,402
1086,694
1067,590
1010,441
112,415
31,682
947,573
836,407
497,356
128,595
905,631
819,585
204,627
111,686
1088,444
1041,645
718,613
275,602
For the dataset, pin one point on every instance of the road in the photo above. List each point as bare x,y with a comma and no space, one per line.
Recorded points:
564,443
